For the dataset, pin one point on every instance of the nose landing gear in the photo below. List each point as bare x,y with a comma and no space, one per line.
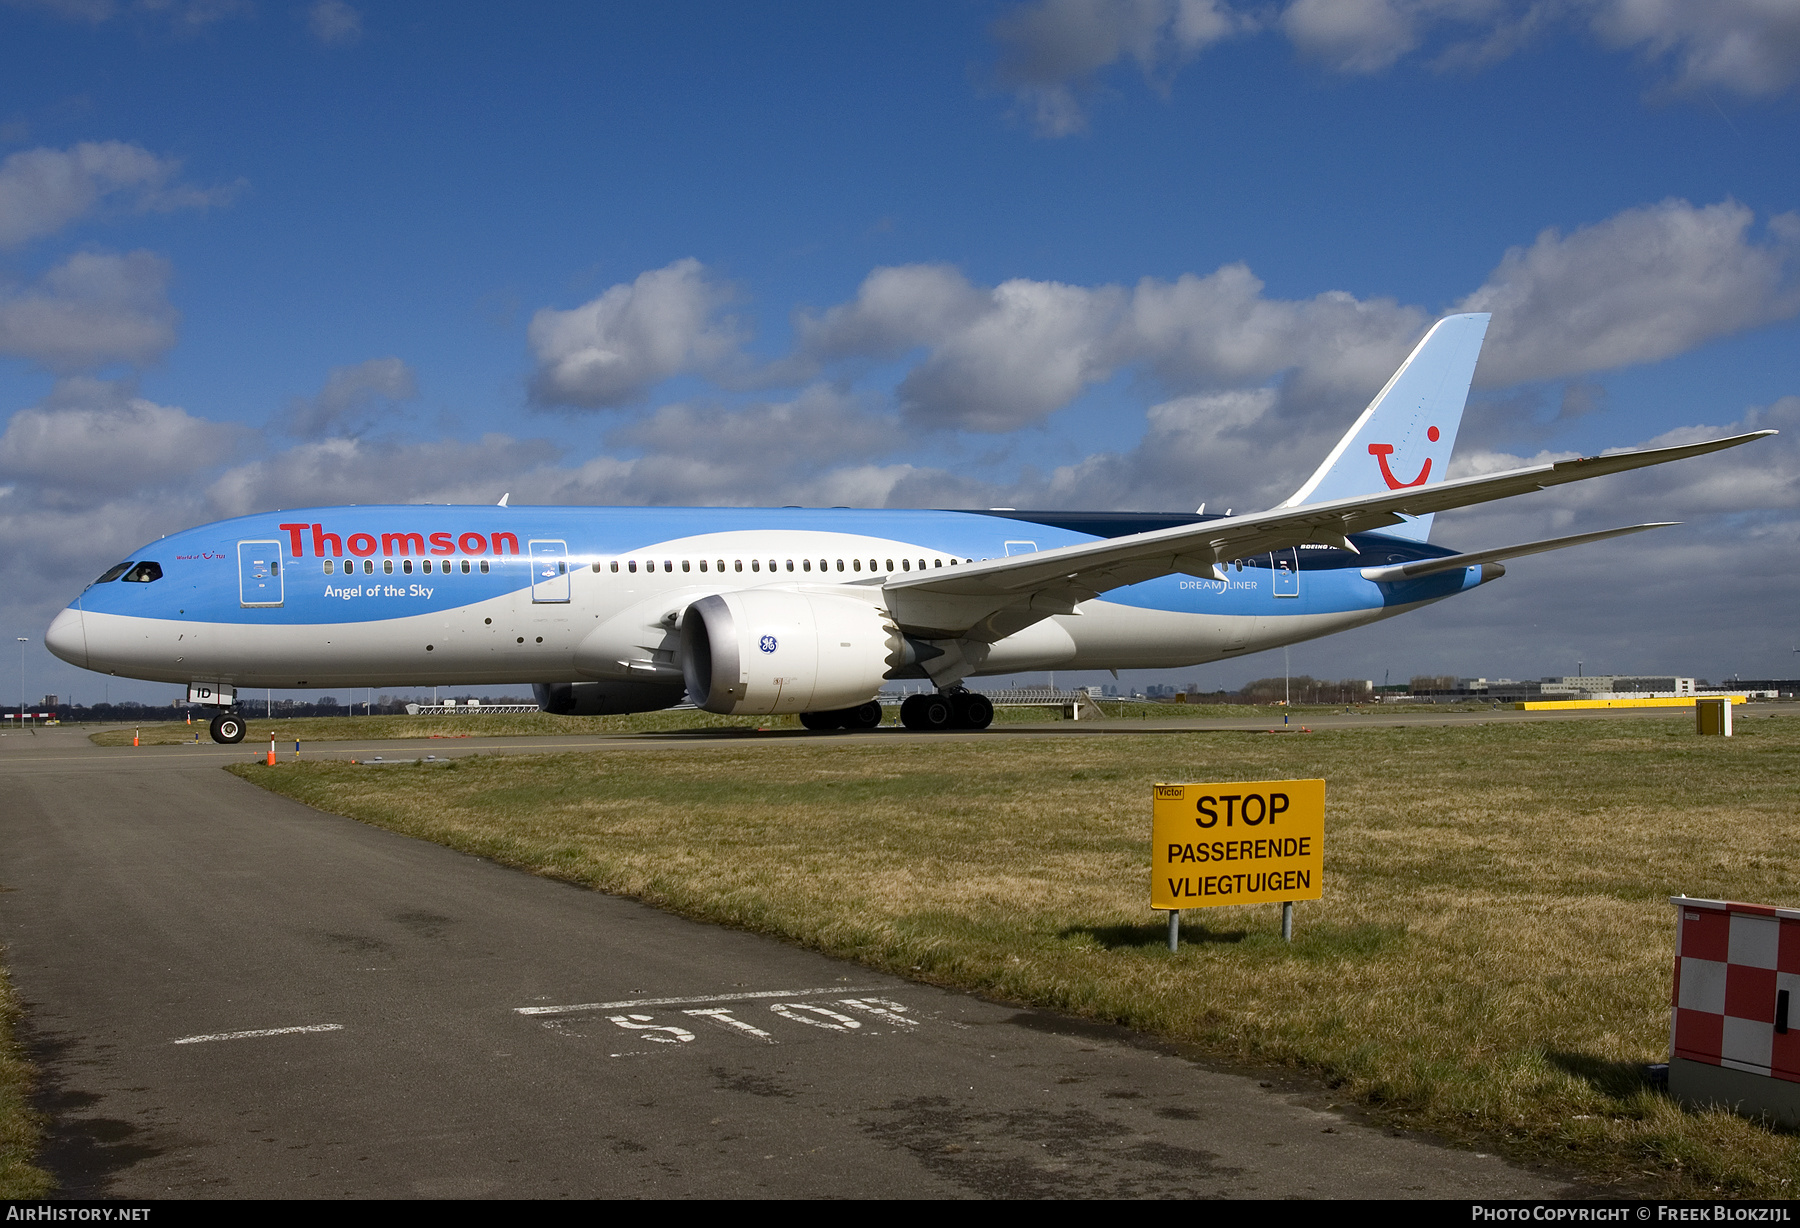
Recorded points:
226,728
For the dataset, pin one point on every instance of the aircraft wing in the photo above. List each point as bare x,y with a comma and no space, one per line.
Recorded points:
990,600
1454,562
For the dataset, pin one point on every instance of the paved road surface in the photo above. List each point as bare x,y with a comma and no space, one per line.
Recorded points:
230,994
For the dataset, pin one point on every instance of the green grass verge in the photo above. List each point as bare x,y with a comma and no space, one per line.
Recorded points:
540,724
1491,960
19,1127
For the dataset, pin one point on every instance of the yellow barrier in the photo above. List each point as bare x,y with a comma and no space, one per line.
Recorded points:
1558,705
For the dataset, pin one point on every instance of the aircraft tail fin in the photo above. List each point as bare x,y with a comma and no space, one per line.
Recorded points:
1405,437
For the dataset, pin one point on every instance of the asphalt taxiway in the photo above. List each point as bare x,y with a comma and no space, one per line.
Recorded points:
230,994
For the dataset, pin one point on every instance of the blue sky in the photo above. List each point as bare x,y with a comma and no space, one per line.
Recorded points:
1133,254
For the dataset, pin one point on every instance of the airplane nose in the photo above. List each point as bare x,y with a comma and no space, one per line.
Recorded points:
67,638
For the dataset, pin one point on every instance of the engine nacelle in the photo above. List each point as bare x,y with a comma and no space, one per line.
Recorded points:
605,698
766,651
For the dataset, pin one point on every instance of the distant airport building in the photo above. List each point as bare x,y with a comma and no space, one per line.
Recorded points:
1614,686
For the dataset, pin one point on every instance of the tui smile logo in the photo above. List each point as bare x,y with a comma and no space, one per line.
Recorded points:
1381,452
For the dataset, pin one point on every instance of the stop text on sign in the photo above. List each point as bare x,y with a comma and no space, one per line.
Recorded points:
1237,842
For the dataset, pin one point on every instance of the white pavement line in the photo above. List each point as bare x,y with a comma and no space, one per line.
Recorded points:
725,1019
711,997
311,1027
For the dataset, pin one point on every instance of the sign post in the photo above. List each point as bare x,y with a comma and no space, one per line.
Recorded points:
1237,842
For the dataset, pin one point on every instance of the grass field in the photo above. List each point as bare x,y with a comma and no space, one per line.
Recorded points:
19,1178
540,724
1491,960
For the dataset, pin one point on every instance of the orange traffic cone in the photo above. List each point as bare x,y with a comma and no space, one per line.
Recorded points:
271,750
134,736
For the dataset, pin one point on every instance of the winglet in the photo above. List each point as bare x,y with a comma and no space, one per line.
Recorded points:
503,499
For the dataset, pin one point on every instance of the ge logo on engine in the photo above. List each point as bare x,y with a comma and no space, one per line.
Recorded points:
767,643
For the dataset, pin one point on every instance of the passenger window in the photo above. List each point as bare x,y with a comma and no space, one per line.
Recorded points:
737,565
465,567
855,564
387,566
890,564
144,573
113,573
368,567
937,562
668,565
771,564
840,564
721,566
805,564
905,564
484,567
615,566
702,564
684,564
790,564
755,566
330,567
274,567
406,566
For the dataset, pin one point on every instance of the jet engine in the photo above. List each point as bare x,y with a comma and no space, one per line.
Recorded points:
766,651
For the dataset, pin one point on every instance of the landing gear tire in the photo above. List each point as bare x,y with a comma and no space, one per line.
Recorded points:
227,728
927,712
822,722
973,710
863,717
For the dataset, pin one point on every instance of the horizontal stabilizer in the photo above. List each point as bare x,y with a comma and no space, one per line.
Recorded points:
1475,558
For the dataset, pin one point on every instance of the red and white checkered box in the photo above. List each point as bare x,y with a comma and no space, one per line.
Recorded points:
1737,970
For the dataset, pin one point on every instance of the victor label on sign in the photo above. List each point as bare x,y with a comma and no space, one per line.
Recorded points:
1240,842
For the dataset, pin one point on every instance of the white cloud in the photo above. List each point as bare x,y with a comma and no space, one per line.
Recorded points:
93,436
611,350
351,396
1750,47
1052,50
1034,347
999,358
43,190
1053,53
191,14
1356,36
1639,287
334,471
334,23
93,309
996,359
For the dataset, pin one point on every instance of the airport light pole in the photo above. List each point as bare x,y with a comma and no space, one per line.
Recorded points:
22,642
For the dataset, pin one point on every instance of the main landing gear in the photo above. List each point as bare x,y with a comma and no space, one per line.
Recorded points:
957,709
227,727
861,717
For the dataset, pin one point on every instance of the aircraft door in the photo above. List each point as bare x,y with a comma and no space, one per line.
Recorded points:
549,572
259,573
1287,572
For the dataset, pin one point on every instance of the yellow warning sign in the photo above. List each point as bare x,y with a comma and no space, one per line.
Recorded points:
1240,842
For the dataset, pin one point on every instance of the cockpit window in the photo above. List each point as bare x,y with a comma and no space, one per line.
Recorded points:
144,573
113,573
